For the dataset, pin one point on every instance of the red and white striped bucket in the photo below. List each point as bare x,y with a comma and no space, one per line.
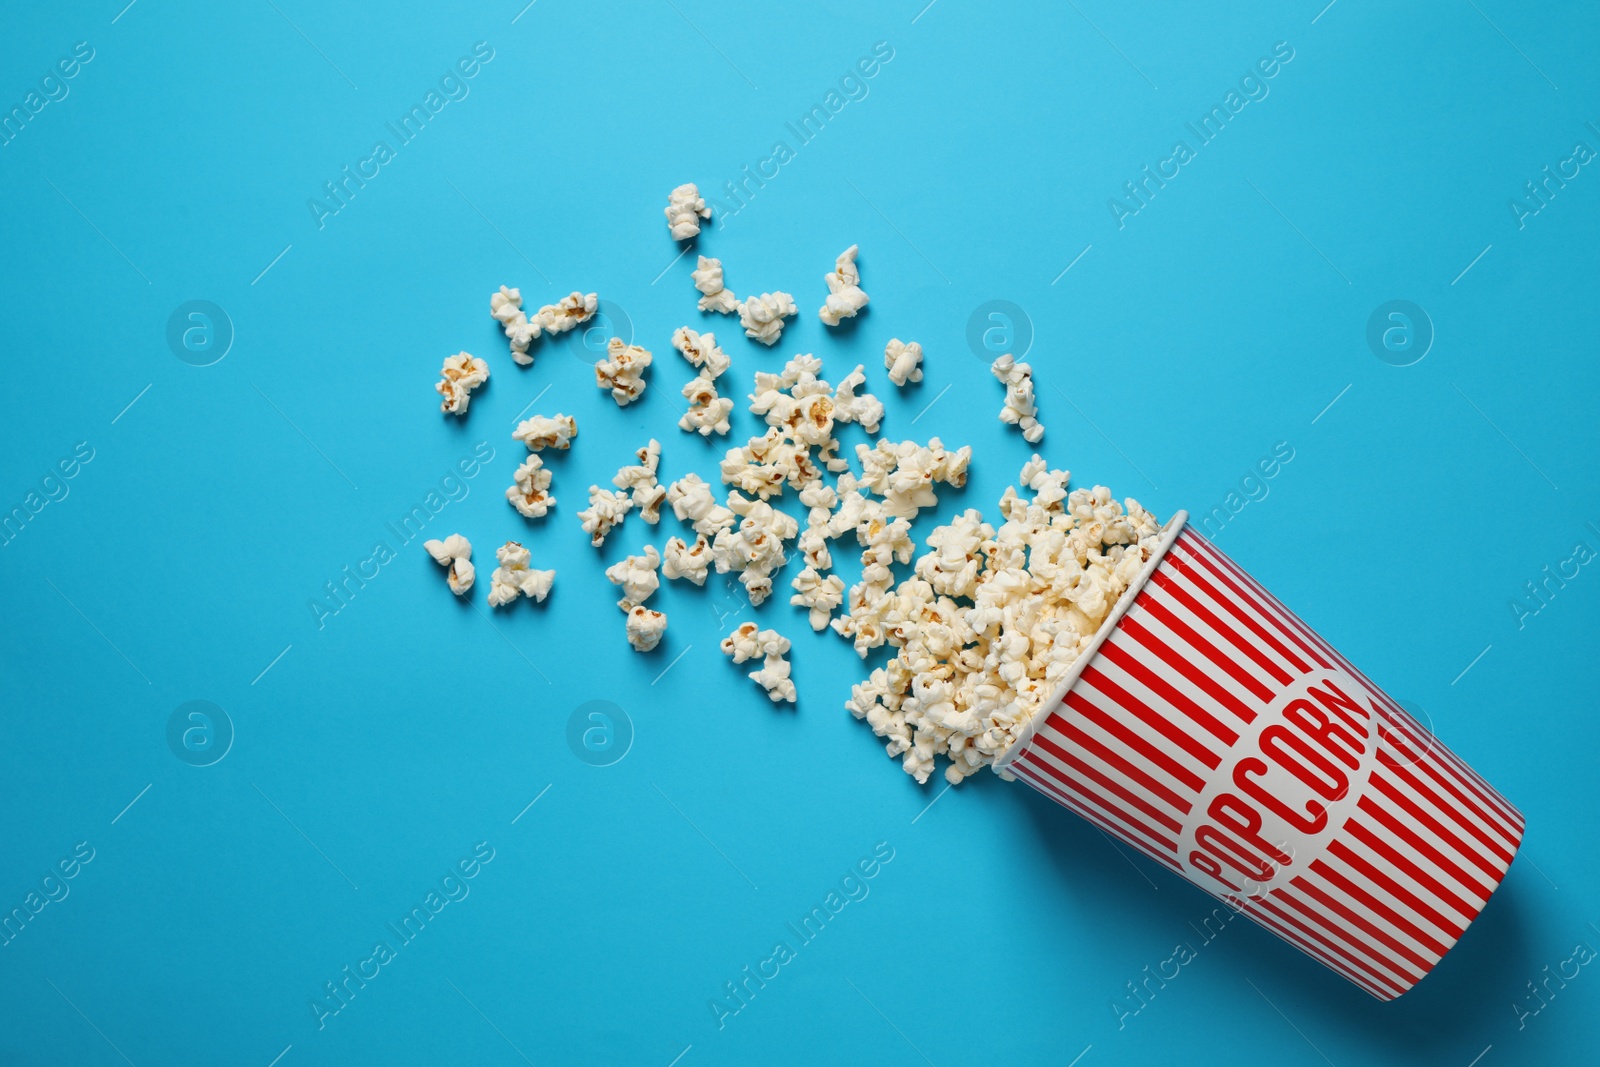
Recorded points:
1218,734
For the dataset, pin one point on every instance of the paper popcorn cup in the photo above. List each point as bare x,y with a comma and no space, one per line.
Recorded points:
1214,731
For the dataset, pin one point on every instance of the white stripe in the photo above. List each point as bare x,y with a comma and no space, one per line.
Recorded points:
1095,818
1480,885
1051,768
1273,614
1137,690
1477,888
1501,823
1391,985
1266,623
1143,693
1498,825
1455,770
1274,617
1352,933
1218,640
1317,951
1116,769
1132,755
1438,913
1349,937
1440,810
1190,575
1173,677
1191,563
1505,821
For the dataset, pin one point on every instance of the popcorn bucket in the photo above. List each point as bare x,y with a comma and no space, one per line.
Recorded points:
1215,732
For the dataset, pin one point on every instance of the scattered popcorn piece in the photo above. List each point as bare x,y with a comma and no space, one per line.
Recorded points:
774,677
460,375
701,350
637,577
865,409
1020,409
798,403
749,642
814,547
754,549
951,569
506,307
687,561
569,311
685,208
692,501
708,413
645,628
640,481
530,494
622,371
821,498
765,463
821,594
540,432
762,316
845,295
903,360
904,473
606,509
708,279
1049,487
454,553
514,578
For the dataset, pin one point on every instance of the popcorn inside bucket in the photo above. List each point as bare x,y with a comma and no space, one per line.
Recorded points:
993,620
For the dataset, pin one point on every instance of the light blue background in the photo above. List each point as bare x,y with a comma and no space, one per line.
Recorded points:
1225,317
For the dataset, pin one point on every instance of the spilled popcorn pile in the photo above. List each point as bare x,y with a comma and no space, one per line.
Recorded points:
987,623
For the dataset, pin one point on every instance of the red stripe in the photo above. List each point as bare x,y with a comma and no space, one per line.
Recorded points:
1213,628
1376,874
1093,678
1382,978
1110,811
1251,908
1452,810
1388,963
1398,828
1229,666
1319,650
1164,689
1510,821
1398,860
1043,785
1373,899
1226,629
1409,731
1230,575
1339,907
1106,781
1181,664
1231,604
1080,702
